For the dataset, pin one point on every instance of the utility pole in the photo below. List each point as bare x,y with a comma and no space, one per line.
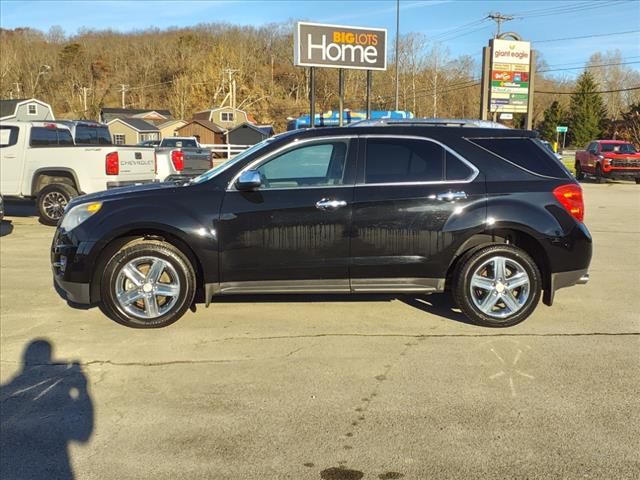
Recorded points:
397,47
84,97
17,89
499,18
122,91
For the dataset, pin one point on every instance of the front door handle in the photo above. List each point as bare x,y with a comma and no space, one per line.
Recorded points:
451,196
326,204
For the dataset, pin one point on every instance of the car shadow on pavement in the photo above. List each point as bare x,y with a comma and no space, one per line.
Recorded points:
6,227
20,208
436,304
43,408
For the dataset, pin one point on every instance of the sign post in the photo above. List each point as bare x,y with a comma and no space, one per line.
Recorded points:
337,46
562,129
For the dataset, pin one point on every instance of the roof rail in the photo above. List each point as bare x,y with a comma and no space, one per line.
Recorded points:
437,122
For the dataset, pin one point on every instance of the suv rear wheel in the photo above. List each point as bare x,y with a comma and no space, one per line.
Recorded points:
497,286
52,201
147,285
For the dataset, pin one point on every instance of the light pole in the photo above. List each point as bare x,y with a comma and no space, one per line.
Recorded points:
397,46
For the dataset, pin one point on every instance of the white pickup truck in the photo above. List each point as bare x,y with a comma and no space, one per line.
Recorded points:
40,160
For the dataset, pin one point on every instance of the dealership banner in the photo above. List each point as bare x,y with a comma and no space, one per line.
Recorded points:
336,46
509,90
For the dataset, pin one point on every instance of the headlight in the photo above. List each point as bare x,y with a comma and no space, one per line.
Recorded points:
78,214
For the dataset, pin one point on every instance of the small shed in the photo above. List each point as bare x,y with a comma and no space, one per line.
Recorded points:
226,117
206,132
25,110
168,129
131,131
248,134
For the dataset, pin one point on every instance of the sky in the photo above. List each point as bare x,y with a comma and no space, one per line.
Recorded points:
459,25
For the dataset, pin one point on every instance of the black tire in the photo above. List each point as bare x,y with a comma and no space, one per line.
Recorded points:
174,306
52,200
599,178
579,172
474,260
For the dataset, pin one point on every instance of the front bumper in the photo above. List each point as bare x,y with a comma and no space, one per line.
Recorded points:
622,173
74,292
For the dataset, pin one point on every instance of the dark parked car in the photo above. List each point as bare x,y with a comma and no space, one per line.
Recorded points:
488,214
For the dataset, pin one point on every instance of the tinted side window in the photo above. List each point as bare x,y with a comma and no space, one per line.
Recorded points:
8,136
41,136
455,169
311,165
64,137
398,160
103,136
85,135
525,153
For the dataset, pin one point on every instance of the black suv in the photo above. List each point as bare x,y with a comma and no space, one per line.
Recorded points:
488,214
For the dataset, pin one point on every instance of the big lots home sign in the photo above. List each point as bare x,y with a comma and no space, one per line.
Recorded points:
320,45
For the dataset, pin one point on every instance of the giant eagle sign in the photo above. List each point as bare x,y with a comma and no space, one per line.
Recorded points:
319,45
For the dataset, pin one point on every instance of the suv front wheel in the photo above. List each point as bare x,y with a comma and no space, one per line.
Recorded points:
150,284
497,286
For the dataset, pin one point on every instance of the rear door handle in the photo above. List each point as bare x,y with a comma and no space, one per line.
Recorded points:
451,196
326,204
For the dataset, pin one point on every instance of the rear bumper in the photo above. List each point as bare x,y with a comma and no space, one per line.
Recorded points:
181,177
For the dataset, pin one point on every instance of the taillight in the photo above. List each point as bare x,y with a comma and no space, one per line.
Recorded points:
112,163
570,196
177,158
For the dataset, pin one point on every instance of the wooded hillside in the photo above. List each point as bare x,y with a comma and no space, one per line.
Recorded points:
186,70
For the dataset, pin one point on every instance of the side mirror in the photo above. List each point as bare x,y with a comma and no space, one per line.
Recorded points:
249,180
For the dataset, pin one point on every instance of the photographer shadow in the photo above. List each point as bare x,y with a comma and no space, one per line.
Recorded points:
42,409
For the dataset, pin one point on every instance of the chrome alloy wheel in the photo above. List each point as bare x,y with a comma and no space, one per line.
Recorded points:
500,287
147,287
54,204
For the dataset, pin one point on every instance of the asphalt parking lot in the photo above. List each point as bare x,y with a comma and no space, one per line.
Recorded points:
336,388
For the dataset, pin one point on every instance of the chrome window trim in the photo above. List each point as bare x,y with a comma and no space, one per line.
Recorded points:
295,142
471,178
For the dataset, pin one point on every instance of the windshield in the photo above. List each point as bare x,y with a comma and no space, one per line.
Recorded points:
179,143
618,148
209,174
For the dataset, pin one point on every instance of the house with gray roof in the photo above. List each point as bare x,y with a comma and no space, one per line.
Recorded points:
131,131
148,114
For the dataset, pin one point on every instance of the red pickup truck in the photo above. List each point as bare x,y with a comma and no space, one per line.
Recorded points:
608,159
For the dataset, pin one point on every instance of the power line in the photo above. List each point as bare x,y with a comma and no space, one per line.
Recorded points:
588,66
586,36
602,91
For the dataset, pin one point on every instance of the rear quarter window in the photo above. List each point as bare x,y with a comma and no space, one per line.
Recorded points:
526,153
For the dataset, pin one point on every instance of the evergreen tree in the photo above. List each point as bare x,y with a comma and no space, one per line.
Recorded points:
587,110
553,116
